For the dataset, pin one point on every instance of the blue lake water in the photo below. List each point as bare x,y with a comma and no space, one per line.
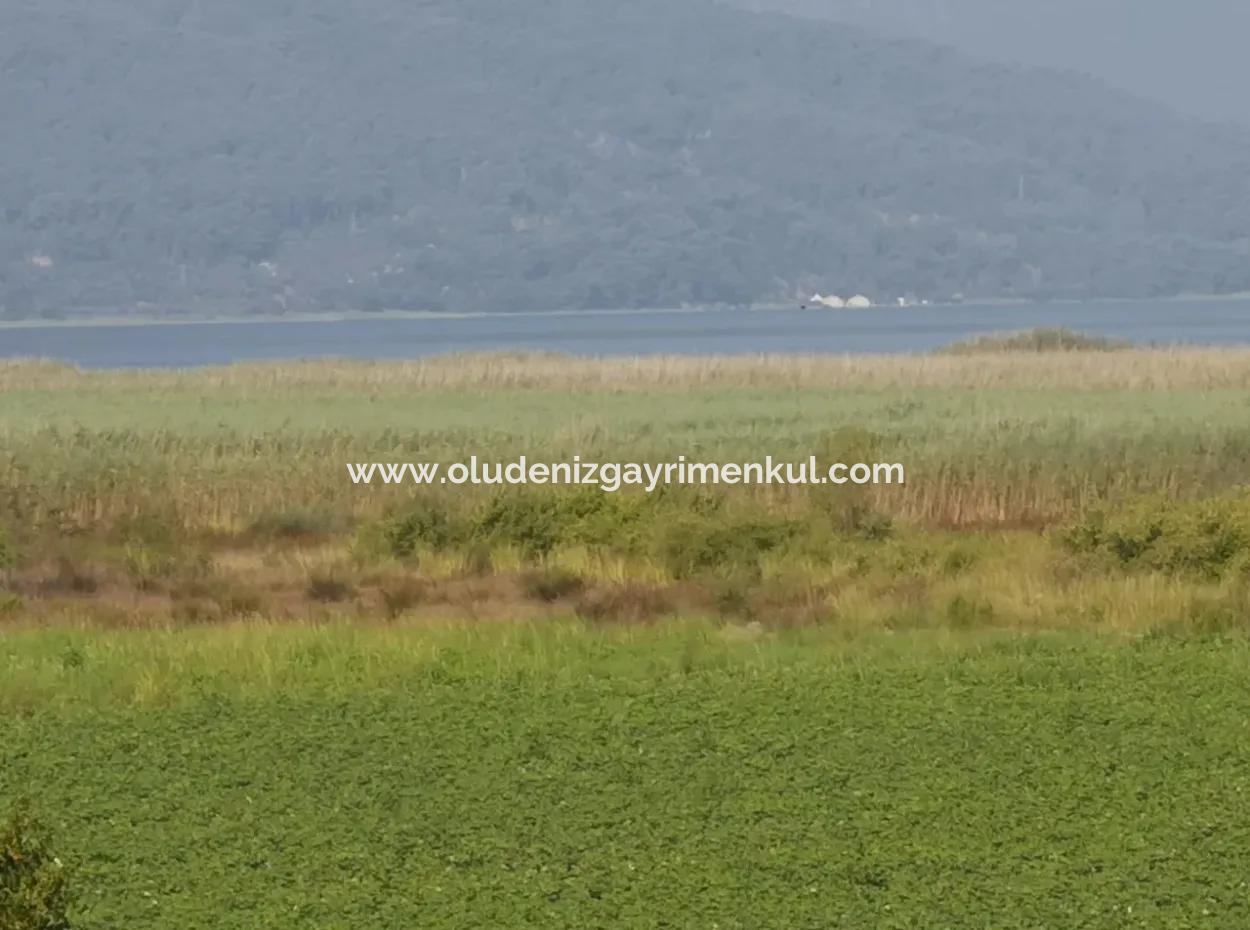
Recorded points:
912,329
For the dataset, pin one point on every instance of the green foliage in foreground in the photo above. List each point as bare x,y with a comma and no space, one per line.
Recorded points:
34,894
676,777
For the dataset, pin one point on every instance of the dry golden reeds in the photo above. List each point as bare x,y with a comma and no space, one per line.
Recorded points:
1154,369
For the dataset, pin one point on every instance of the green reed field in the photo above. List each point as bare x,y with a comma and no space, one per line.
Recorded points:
1095,489
240,691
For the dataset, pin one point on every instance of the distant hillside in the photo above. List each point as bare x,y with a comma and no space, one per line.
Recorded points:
360,154
1190,55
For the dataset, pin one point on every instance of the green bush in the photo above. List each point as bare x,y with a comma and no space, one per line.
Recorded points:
426,526
692,545
537,522
534,523
34,893
616,522
1036,340
1207,537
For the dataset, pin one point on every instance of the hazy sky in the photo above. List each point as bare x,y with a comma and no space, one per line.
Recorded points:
1192,54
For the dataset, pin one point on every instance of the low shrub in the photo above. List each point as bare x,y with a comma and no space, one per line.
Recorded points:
34,890
1206,537
859,519
1056,339
535,523
428,525
692,545
957,560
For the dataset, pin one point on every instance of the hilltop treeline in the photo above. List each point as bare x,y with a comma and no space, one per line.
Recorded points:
268,155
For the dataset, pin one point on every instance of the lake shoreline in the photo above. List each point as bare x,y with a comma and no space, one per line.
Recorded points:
114,320
134,343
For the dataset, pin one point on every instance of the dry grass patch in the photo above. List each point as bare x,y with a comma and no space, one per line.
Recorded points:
998,363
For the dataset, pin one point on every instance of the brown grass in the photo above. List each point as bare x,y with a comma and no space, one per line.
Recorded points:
1168,368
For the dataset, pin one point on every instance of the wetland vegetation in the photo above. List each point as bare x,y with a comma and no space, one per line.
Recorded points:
241,690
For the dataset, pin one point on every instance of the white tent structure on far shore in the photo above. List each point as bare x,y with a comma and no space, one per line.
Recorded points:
833,301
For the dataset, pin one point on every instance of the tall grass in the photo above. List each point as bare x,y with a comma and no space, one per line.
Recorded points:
1046,364
224,458
223,493
55,670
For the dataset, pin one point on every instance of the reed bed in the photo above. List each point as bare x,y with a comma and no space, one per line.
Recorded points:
222,457
216,493
227,486
1135,369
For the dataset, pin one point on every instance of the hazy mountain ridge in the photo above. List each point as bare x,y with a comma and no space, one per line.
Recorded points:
480,154
1190,56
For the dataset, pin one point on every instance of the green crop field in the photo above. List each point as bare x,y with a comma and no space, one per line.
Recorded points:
674,777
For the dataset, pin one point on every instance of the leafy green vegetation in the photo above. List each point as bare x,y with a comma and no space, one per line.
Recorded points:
678,776
34,892
1207,537
1037,340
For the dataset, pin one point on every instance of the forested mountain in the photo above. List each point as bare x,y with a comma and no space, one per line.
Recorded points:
490,154
1190,55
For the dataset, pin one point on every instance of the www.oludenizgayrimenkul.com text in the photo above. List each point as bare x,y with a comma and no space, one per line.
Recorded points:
613,476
